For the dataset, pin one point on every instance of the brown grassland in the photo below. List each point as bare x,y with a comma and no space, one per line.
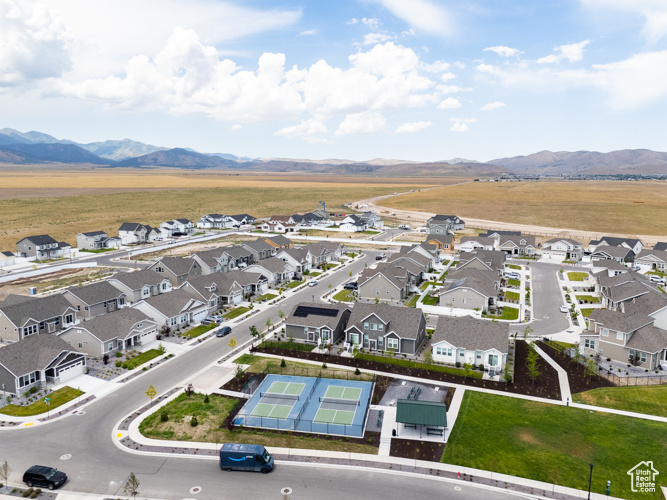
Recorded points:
88,200
604,206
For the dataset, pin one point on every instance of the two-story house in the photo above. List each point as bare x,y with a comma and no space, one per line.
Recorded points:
299,258
443,224
273,269
610,241
652,260
318,323
22,316
177,227
96,240
177,309
42,247
216,290
382,327
260,249
95,299
353,223
470,288
523,245
563,248
214,221
176,269
139,285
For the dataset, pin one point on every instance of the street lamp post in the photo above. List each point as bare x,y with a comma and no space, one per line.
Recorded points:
48,407
590,480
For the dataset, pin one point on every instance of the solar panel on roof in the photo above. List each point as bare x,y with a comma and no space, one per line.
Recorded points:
304,311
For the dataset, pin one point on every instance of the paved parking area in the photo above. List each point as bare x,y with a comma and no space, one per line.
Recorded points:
400,389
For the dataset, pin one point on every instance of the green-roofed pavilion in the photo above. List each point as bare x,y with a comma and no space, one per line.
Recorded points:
428,413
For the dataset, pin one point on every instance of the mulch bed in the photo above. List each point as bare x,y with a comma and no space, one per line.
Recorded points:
382,383
449,396
545,386
579,377
417,450
237,383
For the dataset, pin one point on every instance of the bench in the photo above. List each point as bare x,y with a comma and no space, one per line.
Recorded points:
431,431
410,426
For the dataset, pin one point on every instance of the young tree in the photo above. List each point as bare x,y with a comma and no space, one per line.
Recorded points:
4,473
635,360
232,343
165,329
468,369
506,374
254,332
151,392
268,323
131,486
531,363
526,333
428,357
281,315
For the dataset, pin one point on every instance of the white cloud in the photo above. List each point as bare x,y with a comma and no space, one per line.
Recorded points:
501,50
449,103
459,127
423,15
236,127
33,43
375,38
411,127
189,77
366,122
463,120
447,76
488,68
572,52
372,22
452,89
493,105
309,32
307,129
654,13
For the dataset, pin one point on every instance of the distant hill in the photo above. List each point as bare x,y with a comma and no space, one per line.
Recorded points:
626,161
29,137
120,150
57,153
178,158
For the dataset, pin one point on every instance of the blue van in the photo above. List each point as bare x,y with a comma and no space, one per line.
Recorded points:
248,457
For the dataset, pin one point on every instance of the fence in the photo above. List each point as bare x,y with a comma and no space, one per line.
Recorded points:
319,373
299,424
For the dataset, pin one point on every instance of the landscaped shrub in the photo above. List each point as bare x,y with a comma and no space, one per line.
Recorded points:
33,390
119,354
164,416
119,364
206,399
194,422
282,363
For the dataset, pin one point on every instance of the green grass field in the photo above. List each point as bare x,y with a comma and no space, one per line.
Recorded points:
344,296
235,313
513,266
198,330
586,312
509,313
575,276
554,444
142,358
57,398
651,399
588,298
512,296
429,300
294,284
513,282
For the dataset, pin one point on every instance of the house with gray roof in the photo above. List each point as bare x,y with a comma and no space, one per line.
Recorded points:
661,245
462,340
22,316
214,221
252,283
216,290
299,258
176,269
371,220
617,253
472,289
123,329
386,283
443,242
177,309
652,260
273,269
353,223
95,299
236,257
484,260
443,224
96,240
133,233
472,243
177,227
7,259
317,323
610,266
41,247
324,251
382,327
279,241
260,249
240,219
523,245
563,248
38,360
139,285
630,243
210,261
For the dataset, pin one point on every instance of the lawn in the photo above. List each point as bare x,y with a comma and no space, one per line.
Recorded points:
344,296
211,415
198,330
329,265
586,312
369,231
313,273
575,276
235,313
57,398
294,284
513,282
651,399
429,300
554,444
588,298
140,359
423,286
512,296
294,346
99,250
509,313
416,364
413,301
514,266
267,296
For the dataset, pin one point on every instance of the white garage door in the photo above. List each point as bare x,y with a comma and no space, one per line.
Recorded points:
198,316
70,372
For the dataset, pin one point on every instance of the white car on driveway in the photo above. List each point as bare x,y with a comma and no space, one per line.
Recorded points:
564,309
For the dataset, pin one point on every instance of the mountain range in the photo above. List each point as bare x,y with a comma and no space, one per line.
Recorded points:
27,148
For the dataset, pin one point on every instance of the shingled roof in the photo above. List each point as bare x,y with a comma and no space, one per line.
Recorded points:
404,321
95,293
19,310
308,314
471,333
33,353
113,325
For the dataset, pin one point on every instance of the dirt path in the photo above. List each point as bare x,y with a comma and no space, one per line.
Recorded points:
415,217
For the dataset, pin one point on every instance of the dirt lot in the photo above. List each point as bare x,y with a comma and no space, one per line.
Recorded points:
53,281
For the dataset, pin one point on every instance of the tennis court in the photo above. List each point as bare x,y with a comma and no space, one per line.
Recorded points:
338,405
278,400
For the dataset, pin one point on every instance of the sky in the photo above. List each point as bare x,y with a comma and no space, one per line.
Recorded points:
422,80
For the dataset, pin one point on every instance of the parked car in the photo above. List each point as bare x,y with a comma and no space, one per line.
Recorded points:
352,285
564,309
513,276
297,277
210,320
380,256
403,226
312,283
636,268
225,330
40,475
657,279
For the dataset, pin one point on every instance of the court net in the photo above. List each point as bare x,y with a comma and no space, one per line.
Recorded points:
351,402
279,395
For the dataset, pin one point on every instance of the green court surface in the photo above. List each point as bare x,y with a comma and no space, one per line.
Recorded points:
339,417
335,391
291,388
272,411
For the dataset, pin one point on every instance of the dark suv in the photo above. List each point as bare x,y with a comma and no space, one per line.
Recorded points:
39,475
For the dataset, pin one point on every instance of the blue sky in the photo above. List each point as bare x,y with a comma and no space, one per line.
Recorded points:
352,79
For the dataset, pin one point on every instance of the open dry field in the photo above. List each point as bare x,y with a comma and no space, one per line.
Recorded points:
603,206
65,203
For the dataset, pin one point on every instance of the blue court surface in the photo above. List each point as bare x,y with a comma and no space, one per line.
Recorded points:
308,404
